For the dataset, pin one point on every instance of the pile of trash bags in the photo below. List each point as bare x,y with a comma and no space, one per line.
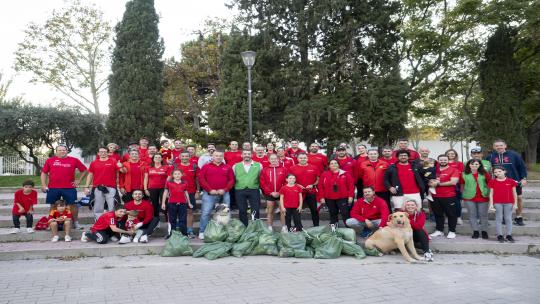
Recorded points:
323,242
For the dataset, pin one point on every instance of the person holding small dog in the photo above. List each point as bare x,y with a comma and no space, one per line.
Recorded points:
336,189
503,199
417,220
369,211
290,203
176,191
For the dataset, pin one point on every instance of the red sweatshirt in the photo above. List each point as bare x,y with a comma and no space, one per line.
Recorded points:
145,209
341,179
376,210
272,179
372,174
215,177
347,164
417,220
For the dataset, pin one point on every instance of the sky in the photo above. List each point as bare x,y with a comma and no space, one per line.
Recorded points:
178,20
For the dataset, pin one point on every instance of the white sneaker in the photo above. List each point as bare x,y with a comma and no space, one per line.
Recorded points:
144,239
67,238
270,228
284,229
114,238
84,238
451,235
15,230
124,240
276,211
137,236
459,221
428,256
436,233
55,239
201,235
29,230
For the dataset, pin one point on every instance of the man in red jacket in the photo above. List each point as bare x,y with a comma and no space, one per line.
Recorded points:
294,150
372,174
317,159
369,212
145,216
216,179
283,160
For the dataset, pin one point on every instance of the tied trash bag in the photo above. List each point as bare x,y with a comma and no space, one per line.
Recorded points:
242,249
215,233
177,245
253,229
235,229
294,240
213,251
286,253
347,234
267,244
318,240
304,254
353,249
330,249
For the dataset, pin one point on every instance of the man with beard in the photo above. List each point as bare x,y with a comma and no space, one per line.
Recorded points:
404,181
246,187
317,159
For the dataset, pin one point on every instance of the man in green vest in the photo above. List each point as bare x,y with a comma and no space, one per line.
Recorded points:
246,188
476,153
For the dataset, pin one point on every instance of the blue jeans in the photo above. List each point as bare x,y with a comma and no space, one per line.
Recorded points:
178,217
208,204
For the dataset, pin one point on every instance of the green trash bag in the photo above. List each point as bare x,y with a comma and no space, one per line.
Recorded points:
267,244
294,240
330,249
213,251
320,239
177,245
372,252
255,226
215,232
353,249
241,249
304,254
317,230
235,229
286,253
347,234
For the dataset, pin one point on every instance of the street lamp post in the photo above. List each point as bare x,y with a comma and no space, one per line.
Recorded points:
249,60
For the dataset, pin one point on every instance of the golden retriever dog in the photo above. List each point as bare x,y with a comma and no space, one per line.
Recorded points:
396,235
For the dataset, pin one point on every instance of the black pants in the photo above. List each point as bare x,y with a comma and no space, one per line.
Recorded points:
337,206
311,201
420,238
293,212
242,198
386,197
155,198
232,198
359,188
178,217
100,236
149,228
29,220
445,206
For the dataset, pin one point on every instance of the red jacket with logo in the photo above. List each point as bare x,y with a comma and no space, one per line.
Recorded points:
372,174
214,177
375,210
341,179
272,179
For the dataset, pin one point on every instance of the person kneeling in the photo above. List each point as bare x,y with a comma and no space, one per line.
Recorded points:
417,220
369,212
132,224
60,219
105,227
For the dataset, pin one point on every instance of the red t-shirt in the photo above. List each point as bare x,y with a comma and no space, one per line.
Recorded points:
62,171
176,153
145,209
305,175
262,160
104,221
285,162
502,190
291,198
231,158
457,165
294,154
55,214
177,191
407,179
318,160
26,200
157,177
104,172
445,176
390,161
131,223
189,176
135,175
166,153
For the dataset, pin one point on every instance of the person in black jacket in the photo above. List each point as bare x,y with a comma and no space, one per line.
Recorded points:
404,181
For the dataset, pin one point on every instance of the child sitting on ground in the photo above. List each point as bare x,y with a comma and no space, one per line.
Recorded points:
23,205
132,224
60,220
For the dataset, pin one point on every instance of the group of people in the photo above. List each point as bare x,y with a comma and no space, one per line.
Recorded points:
363,190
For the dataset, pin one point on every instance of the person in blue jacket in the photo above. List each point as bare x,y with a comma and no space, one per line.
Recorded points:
515,169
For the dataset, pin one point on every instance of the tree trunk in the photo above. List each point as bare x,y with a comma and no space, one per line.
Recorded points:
533,134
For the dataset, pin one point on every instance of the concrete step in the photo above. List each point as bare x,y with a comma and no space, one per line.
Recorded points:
77,249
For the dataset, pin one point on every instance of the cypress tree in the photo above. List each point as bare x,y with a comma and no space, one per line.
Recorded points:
500,115
136,83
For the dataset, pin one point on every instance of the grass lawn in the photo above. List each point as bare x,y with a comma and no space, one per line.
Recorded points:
534,172
17,180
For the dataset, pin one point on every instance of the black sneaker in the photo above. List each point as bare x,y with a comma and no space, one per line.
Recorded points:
519,221
510,239
475,235
500,238
191,235
485,235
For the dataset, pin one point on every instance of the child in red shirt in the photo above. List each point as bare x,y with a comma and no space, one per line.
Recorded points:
176,192
503,196
60,219
166,151
290,202
132,224
23,205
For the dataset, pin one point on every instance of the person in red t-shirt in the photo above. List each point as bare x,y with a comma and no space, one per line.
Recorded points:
193,158
102,175
60,220
387,156
145,215
176,192
290,203
176,151
190,172
143,148
474,181
271,180
234,155
155,177
346,162
307,177
132,175
260,157
444,200
403,144
503,200
317,159
283,160
453,161
368,211
23,205
294,151
403,179
106,228
61,184
336,189
112,151
166,151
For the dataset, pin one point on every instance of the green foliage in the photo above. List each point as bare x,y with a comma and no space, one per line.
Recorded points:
136,83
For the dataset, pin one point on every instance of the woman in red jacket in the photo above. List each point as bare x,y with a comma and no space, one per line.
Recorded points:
336,189
417,220
272,179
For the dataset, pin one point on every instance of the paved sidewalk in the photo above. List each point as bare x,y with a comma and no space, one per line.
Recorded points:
153,279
